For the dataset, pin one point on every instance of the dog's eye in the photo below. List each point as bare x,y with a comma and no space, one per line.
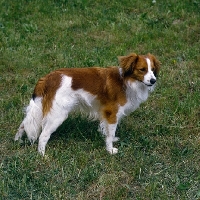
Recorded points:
143,69
153,69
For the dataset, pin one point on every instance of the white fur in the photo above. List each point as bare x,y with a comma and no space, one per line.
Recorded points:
67,100
32,122
149,75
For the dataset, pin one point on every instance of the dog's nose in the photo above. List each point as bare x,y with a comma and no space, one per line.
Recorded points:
152,81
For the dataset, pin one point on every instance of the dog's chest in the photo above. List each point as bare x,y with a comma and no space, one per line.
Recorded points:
135,95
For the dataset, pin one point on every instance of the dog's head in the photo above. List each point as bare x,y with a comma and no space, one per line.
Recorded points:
144,68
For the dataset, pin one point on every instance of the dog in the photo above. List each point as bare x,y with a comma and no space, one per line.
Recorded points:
104,94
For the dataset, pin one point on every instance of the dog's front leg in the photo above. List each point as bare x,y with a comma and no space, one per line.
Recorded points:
110,138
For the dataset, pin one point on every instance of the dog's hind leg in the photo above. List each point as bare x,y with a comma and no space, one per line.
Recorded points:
51,122
20,132
32,122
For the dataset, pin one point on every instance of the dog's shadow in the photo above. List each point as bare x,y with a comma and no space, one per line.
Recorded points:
78,128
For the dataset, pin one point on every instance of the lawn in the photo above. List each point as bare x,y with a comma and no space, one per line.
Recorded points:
159,143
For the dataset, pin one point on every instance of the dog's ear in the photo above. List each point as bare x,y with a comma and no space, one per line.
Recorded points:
127,63
156,63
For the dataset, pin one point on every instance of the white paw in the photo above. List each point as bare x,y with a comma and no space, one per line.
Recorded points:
32,140
115,139
41,151
113,151
18,138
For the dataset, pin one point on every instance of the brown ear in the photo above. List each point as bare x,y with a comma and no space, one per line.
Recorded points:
156,63
127,63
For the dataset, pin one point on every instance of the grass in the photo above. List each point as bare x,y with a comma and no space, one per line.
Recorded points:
159,148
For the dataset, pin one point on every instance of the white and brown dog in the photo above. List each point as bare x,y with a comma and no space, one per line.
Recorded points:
105,94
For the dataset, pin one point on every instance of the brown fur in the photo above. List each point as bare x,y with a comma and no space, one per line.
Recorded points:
46,88
135,66
128,63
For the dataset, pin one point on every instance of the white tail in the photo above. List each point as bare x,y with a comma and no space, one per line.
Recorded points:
32,122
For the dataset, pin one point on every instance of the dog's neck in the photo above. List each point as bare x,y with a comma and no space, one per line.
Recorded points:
137,91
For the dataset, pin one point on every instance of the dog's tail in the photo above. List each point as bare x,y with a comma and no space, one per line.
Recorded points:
32,123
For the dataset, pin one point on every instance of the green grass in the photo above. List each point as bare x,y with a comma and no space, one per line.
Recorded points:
159,148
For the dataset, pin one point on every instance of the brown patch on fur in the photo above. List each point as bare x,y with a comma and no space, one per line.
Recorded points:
46,88
109,112
127,63
135,66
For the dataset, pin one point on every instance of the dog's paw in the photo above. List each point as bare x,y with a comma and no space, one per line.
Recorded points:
113,151
41,150
18,139
115,139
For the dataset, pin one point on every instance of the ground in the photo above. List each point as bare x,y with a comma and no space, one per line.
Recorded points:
159,143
